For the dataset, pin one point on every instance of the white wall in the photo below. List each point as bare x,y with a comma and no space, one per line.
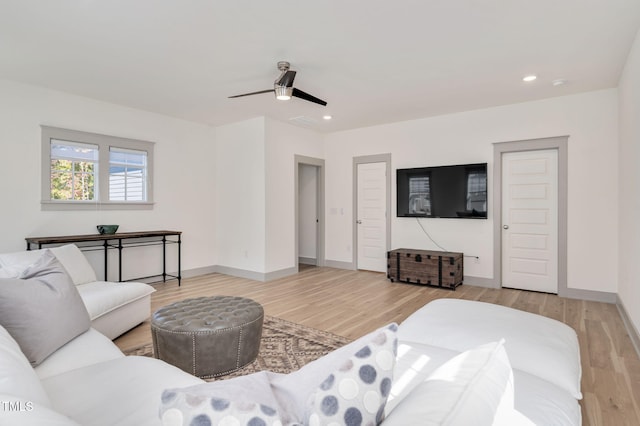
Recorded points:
283,143
589,119
255,218
183,178
307,211
231,189
629,175
240,175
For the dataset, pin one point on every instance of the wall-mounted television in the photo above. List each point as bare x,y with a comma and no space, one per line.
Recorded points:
458,191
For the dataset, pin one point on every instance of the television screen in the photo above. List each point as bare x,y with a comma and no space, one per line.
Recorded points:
448,191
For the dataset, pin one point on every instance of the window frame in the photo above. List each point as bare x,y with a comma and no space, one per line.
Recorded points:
104,142
429,198
480,172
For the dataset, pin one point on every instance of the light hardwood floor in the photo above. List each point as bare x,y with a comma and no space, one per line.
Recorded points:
353,303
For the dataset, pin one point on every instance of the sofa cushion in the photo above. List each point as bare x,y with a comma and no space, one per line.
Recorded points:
535,344
123,391
475,387
88,348
42,309
544,403
102,297
72,259
536,399
76,264
17,377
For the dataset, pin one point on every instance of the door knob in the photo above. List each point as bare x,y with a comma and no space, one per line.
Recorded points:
359,222
505,226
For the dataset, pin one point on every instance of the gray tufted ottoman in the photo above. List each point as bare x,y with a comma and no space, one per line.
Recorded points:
208,336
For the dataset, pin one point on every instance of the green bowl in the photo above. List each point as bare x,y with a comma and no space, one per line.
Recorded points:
107,229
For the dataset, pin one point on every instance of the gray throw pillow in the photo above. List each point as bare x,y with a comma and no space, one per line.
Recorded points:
42,310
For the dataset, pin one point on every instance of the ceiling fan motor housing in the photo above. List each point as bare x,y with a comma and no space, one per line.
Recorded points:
283,66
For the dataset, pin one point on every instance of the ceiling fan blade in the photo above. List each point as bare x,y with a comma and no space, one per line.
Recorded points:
252,93
307,97
287,79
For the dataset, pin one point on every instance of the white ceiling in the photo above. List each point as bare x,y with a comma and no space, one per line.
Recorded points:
373,61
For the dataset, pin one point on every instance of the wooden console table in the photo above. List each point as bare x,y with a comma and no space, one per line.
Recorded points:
119,241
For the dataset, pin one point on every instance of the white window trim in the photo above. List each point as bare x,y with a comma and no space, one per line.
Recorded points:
103,142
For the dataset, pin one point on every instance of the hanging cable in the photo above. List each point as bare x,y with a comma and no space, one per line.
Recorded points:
429,236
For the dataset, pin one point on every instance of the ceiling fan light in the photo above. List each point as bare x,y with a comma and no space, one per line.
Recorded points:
283,93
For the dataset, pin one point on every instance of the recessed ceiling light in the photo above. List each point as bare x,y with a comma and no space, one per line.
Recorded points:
529,78
559,82
327,117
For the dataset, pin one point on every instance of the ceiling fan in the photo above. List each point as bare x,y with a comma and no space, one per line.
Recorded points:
283,87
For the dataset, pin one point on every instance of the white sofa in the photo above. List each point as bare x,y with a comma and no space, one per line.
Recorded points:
534,367
544,355
114,308
86,382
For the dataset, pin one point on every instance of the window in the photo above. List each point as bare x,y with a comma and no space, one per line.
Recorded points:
420,195
73,171
477,191
127,174
81,170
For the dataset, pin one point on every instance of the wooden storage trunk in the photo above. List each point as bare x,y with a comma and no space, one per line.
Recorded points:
426,267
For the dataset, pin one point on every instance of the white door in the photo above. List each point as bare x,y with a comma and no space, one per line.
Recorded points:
530,220
371,220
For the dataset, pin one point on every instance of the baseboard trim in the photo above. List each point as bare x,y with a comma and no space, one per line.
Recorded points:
340,265
479,282
274,275
308,260
571,293
240,273
631,329
189,273
254,275
590,295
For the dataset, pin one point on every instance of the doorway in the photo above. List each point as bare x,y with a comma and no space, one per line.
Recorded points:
372,202
309,215
530,207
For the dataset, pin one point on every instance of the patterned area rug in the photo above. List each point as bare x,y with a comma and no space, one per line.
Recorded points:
285,347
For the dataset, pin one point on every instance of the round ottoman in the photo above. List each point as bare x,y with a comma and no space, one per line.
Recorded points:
208,336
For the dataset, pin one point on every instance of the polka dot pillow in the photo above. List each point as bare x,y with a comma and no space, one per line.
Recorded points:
202,411
241,401
356,392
